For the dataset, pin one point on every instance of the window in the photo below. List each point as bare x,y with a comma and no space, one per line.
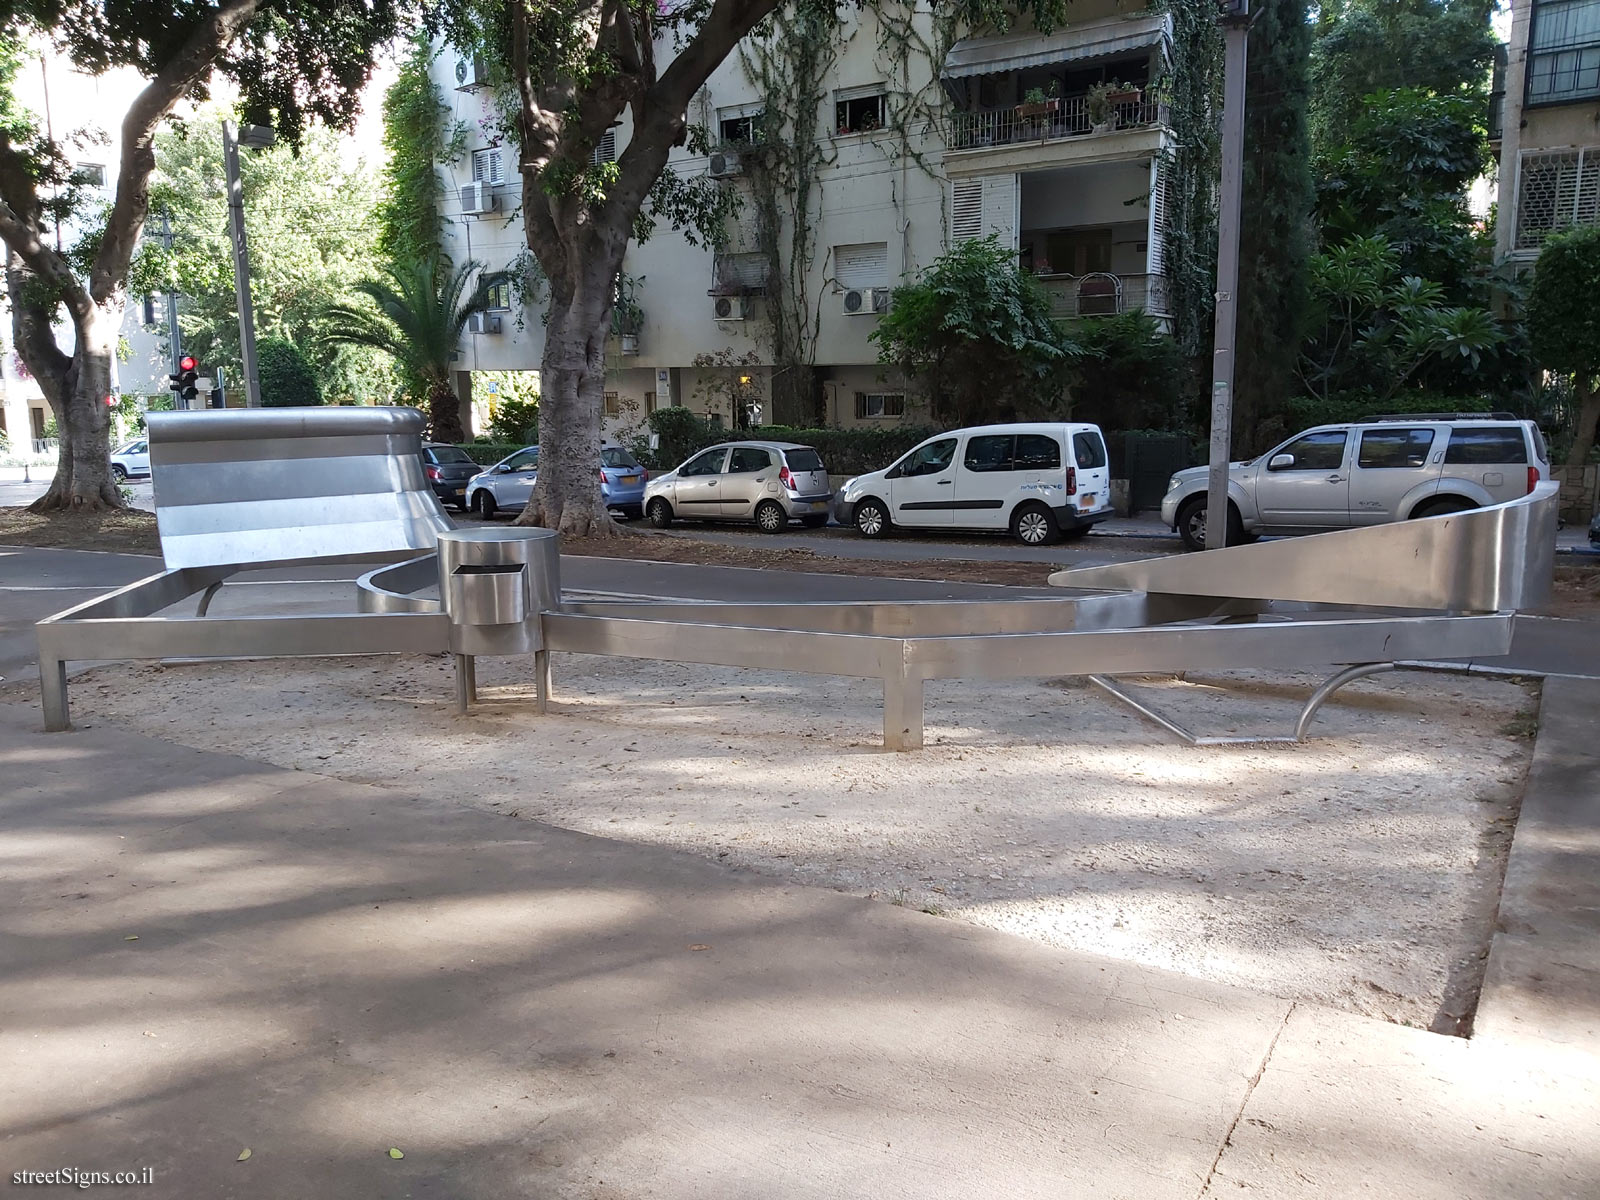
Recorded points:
524,460
616,456
605,149
880,404
747,459
500,296
743,272
1564,51
1494,445
859,111
741,128
929,459
1556,191
1036,452
613,404
709,463
1314,452
486,165
1384,449
990,452
1089,450
803,460
862,265
447,454
90,174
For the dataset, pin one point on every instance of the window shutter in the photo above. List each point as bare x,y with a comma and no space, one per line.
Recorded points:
1556,190
606,149
966,209
1156,256
1000,208
864,265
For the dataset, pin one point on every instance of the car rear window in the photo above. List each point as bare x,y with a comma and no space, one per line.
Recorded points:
1037,452
448,454
1487,444
616,456
1384,448
803,460
1089,449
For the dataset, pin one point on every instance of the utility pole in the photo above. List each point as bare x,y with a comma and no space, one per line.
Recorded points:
257,137
1236,33
174,337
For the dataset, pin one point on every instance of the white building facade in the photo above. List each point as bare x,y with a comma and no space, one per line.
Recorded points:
924,138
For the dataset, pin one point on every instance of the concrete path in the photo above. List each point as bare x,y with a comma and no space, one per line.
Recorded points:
203,954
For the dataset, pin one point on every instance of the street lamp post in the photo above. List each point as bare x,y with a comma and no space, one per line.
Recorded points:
1236,33
255,137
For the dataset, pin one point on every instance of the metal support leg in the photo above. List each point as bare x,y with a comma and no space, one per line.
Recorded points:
205,597
1331,685
53,689
902,712
466,681
541,684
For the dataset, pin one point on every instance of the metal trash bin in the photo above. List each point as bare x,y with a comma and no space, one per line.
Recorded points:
494,584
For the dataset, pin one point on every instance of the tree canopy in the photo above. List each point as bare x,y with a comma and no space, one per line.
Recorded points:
1564,323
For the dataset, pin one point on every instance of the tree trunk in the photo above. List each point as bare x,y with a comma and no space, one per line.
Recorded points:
1588,402
572,390
444,413
83,479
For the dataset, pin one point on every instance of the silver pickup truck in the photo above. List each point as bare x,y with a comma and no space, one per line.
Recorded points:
1386,469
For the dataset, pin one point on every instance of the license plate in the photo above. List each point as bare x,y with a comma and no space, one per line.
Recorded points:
456,491
1086,501
630,479
819,504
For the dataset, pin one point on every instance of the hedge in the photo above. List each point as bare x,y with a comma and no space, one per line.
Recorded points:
488,453
844,451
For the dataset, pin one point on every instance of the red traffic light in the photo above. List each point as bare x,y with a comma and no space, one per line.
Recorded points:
188,363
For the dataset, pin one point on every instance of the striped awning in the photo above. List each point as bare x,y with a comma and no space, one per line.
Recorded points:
1090,39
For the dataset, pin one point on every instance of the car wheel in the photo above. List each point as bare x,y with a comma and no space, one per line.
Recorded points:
660,513
1440,508
814,522
872,519
770,517
1034,525
1192,524
483,504
120,472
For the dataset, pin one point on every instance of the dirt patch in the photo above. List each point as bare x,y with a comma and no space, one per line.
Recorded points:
1360,870
1577,590
122,531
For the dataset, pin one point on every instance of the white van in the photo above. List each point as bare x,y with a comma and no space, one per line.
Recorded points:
1041,481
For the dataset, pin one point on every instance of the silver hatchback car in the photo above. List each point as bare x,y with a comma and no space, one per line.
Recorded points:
769,483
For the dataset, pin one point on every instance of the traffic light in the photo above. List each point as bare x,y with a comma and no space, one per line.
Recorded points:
183,380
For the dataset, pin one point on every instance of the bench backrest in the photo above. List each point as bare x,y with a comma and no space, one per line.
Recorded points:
259,486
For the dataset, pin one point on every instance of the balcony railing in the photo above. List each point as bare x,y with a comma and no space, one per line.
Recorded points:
1069,118
1102,294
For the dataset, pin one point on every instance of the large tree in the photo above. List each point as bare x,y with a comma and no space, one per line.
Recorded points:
1564,324
574,70
292,60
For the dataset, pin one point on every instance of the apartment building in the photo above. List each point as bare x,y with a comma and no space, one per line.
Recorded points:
1549,125
1016,135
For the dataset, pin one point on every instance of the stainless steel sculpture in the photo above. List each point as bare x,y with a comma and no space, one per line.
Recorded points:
1359,601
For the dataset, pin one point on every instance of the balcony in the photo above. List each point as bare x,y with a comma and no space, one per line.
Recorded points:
1102,294
1067,117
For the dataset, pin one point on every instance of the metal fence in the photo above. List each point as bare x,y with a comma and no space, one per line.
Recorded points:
1104,294
1069,118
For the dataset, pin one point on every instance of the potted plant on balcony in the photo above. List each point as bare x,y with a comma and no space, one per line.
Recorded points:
1102,112
627,317
1036,102
1124,93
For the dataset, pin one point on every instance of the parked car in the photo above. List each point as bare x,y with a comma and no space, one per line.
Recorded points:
1041,481
509,483
448,469
769,483
1368,473
132,461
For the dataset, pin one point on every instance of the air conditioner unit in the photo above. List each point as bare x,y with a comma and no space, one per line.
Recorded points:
724,164
470,74
861,302
484,323
729,308
477,198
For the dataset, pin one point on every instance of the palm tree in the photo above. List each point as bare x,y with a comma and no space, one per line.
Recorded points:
417,313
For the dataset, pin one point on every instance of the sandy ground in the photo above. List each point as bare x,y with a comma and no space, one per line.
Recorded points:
1360,870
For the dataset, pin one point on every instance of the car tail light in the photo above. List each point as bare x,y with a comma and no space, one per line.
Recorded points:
433,473
1533,479
788,479
1072,481
604,478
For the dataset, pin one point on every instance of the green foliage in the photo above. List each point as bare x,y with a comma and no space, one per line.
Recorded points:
1131,375
1564,303
975,333
1275,236
308,216
287,380
415,136
515,420
843,451
486,454
1440,47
